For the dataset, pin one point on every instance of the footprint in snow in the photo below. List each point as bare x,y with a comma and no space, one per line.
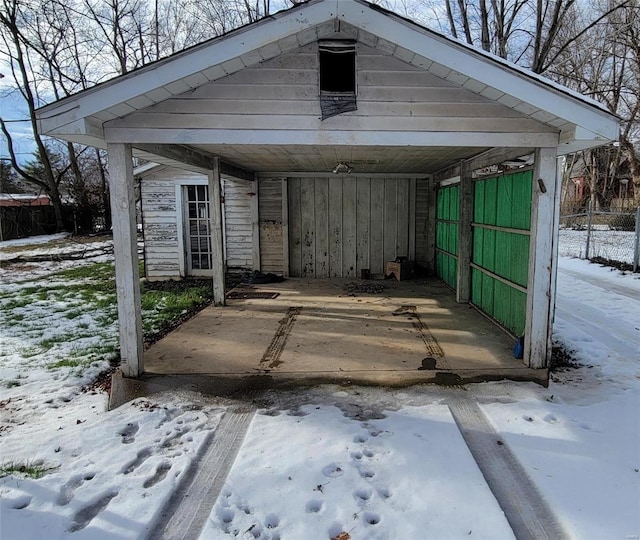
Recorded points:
20,503
68,490
128,432
363,494
314,506
158,476
361,438
372,518
333,470
384,492
550,418
272,521
142,456
84,516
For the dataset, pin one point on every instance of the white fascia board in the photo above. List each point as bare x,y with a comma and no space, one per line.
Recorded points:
582,140
330,138
185,64
502,75
144,170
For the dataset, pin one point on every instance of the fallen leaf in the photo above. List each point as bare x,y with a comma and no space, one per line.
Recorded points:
342,536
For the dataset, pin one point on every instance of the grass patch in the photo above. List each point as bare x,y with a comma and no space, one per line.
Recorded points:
27,469
88,292
12,384
65,363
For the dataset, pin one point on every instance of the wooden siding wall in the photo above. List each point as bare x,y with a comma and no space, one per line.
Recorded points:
271,230
282,93
237,225
340,226
161,212
423,256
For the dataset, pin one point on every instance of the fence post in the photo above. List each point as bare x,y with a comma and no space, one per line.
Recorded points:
589,217
636,243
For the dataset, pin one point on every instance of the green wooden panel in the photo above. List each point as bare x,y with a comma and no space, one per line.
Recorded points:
447,214
504,201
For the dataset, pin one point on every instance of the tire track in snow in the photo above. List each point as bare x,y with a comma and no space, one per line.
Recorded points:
604,284
620,338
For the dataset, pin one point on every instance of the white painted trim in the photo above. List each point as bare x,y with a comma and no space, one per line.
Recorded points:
554,252
181,230
487,69
449,181
537,334
200,58
217,234
121,190
287,30
330,138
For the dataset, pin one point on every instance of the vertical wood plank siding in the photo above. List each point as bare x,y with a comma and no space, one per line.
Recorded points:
270,206
159,215
238,227
161,212
423,257
340,226
502,207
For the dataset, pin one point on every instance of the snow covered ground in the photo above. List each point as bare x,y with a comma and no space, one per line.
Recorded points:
330,462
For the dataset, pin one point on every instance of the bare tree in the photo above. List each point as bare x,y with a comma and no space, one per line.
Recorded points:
17,45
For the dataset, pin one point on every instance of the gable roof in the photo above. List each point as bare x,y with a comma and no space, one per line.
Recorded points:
580,121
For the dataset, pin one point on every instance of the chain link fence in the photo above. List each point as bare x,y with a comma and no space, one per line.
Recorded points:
609,237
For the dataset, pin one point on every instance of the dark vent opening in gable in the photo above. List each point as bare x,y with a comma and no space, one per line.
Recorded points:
337,77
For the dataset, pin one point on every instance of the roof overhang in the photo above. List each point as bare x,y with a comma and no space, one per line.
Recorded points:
576,121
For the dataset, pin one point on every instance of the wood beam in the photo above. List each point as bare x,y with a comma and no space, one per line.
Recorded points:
217,234
194,158
319,137
465,235
123,211
537,336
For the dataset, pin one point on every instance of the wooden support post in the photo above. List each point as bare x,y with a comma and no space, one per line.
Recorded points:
217,234
255,224
125,243
430,232
465,235
537,334
412,219
285,228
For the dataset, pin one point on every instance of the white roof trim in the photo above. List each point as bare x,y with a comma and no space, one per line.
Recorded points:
289,29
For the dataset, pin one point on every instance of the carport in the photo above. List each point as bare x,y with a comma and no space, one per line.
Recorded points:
411,148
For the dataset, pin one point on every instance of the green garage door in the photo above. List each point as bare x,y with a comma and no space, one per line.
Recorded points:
447,223
500,257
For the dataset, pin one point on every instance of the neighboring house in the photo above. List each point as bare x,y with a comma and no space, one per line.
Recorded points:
23,215
612,192
362,131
